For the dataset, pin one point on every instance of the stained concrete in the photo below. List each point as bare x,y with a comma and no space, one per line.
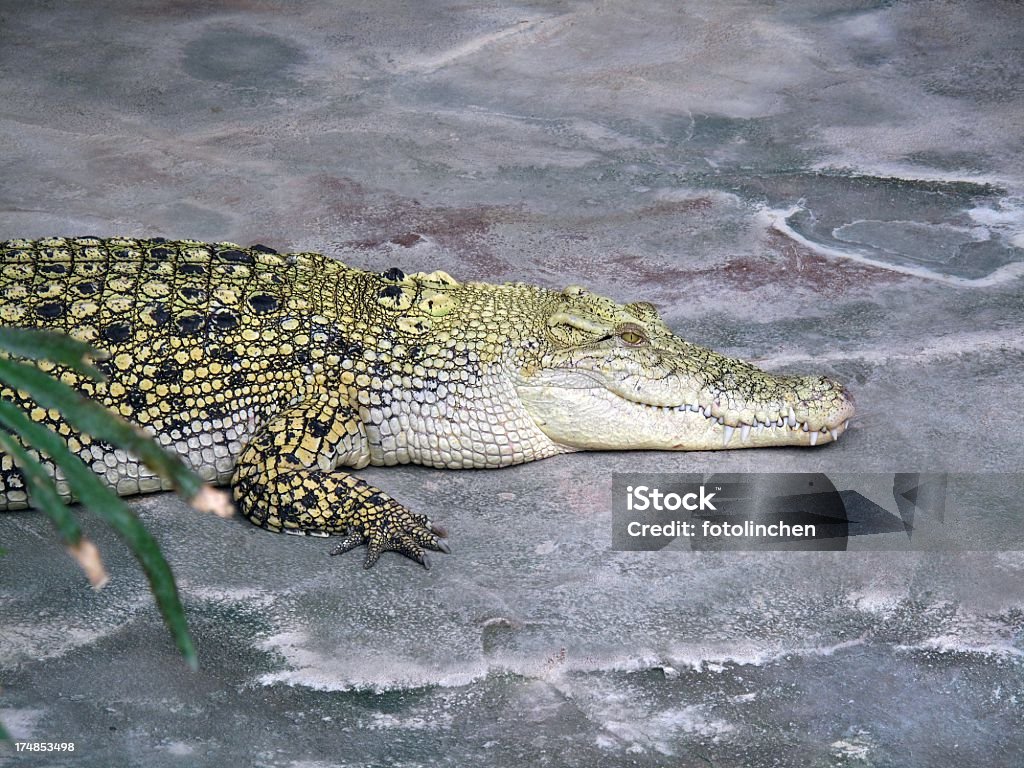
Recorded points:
831,187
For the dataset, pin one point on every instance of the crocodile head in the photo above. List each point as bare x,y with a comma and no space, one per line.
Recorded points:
611,376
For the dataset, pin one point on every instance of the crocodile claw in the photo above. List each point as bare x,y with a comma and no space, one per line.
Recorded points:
351,541
409,536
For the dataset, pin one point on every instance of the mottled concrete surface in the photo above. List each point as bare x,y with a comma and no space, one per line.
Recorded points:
826,186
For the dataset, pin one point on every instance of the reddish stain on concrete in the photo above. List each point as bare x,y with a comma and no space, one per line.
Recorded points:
385,218
783,262
408,240
795,264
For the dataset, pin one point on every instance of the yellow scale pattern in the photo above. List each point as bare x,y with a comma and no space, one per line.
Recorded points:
271,371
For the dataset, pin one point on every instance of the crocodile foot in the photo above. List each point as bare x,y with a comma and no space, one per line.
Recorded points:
394,529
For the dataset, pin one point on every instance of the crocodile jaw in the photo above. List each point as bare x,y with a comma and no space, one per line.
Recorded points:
603,375
589,417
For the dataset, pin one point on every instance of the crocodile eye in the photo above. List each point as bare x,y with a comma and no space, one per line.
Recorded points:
632,336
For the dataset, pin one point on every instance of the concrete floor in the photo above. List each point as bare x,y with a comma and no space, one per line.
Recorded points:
833,187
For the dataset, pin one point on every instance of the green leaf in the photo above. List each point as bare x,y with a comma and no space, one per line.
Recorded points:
92,418
44,492
90,490
55,347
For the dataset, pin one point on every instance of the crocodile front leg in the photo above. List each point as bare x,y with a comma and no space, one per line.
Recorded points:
286,480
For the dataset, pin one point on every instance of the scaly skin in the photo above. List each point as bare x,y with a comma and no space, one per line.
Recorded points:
272,372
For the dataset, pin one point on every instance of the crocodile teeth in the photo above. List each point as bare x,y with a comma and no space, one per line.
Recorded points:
727,435
784,420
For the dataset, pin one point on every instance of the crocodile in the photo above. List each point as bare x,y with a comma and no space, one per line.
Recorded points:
277,374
